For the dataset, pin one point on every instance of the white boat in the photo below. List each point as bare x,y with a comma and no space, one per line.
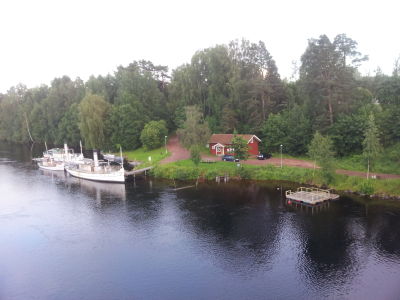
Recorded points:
51,165
55,159
97,171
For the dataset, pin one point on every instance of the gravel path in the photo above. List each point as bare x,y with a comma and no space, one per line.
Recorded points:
177,151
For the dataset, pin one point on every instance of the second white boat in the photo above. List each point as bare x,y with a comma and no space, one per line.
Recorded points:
97,171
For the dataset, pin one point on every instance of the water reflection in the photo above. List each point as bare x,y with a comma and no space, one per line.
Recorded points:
326,256
100,191
238,223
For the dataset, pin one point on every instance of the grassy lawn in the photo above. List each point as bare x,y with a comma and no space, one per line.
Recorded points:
356,163
143,156
301,157
385,163
220,166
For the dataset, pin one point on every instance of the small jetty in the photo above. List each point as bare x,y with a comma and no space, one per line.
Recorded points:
137,171
311,196
223,178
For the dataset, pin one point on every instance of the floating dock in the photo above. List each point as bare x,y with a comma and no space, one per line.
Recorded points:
311,196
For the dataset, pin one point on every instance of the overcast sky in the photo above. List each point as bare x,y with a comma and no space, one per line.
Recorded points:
41,40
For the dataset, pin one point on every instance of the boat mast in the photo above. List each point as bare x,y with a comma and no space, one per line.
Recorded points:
66,152
122,159
95,158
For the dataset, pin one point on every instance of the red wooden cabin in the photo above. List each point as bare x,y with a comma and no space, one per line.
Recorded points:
221,144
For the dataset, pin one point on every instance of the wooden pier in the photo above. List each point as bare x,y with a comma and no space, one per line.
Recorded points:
224,179
137,171
310,196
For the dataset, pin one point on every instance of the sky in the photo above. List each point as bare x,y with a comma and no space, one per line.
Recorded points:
44,39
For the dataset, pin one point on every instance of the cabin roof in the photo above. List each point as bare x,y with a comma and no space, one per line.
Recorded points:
226,139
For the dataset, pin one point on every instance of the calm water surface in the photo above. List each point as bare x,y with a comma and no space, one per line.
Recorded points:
62,238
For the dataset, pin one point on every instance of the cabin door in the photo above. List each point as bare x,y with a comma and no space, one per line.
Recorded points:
219,150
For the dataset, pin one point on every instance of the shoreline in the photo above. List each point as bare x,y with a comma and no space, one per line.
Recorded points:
385,189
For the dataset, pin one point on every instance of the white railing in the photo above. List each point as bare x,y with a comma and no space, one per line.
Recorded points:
310,194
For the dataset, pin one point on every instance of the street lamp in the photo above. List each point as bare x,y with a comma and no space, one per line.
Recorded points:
165,144
281,155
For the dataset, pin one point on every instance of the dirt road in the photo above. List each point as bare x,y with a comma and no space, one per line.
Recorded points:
177,151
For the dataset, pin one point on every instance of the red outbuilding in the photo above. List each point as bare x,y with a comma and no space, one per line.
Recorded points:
221,144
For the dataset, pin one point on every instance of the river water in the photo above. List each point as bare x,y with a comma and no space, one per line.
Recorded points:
64,238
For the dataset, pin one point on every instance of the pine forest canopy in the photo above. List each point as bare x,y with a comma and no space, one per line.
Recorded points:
235,87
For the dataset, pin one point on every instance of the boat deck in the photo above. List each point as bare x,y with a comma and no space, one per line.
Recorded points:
310,195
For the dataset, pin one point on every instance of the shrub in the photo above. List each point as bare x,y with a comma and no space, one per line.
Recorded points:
366,187
195,155
243,173
153,134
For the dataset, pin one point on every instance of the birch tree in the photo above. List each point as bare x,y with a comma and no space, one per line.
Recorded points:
371,144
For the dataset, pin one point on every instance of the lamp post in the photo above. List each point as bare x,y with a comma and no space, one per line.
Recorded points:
165,144
281,156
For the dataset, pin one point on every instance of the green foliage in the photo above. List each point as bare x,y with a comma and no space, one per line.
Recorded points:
366,187
63,93
153,134
320,151
123,127
347,133
243,173
290,128
68,129
194,131
93,112
371,145
195,156
142,155
235,86
389,123
241,147
328,78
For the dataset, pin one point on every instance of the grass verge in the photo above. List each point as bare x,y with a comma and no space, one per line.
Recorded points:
143,155
186,170
385,163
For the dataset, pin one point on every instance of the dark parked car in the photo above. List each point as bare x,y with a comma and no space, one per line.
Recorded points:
263,156
229,158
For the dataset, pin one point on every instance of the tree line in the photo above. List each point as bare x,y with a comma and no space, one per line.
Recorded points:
234,87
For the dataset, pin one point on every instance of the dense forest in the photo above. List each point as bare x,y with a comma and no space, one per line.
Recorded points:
237,87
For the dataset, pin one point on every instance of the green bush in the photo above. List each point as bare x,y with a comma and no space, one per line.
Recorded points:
243,173
195,155
211,174
153,134
366,187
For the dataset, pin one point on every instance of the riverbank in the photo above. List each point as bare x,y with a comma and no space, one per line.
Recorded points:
186,170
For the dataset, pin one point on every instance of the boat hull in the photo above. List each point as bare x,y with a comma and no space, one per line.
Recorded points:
118,176
58,167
